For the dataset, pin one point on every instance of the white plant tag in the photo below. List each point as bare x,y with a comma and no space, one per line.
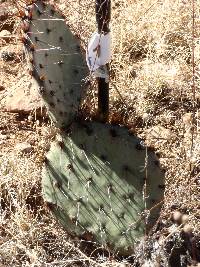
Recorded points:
99,50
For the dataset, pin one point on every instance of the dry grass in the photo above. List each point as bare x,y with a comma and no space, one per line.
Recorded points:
151,85
151,92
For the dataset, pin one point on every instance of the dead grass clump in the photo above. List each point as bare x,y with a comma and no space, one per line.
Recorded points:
151,92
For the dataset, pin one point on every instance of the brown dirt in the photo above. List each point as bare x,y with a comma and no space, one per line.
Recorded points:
152,70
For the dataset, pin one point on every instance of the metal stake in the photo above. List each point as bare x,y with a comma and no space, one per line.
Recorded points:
103,14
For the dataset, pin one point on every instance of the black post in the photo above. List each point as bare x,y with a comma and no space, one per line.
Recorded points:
103,14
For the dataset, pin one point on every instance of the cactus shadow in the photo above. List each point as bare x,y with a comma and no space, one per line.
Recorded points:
120,160
102,177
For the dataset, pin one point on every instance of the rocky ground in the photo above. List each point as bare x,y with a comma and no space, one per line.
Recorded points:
151,93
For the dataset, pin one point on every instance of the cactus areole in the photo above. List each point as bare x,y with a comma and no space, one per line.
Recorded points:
56,61
94,179
99,180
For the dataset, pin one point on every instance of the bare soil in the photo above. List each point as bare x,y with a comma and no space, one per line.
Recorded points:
152,92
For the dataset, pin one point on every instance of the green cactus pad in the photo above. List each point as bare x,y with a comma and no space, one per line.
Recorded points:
57,63
94,180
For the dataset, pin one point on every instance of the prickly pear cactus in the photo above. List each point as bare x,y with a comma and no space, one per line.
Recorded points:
94,179
57,64
99,181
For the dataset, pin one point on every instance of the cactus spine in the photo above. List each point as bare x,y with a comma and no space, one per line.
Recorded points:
57,64
94,177
98,179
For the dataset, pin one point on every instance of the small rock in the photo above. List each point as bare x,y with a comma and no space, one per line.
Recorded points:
185,218
37,123
24,148
177,216
23,98
32,142
146,116
24,226
187,229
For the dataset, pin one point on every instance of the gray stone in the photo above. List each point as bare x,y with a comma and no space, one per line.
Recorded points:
24,148
23,97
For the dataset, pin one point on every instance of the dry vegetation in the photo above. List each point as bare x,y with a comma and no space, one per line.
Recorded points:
151,92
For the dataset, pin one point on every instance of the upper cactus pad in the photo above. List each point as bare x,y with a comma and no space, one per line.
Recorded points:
57,62
95,180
